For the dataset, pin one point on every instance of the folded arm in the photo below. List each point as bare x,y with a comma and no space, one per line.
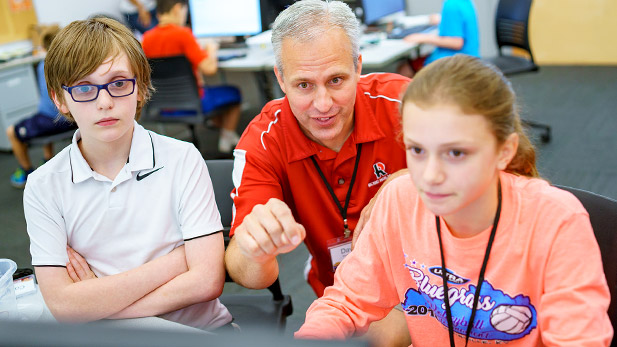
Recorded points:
97,298
202,282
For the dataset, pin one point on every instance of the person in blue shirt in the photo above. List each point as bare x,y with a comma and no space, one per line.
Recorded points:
44,123
458,33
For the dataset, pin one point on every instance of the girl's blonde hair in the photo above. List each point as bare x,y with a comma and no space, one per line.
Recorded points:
82,46
476,88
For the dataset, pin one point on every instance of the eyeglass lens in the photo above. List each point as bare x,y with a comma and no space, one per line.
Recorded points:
88,92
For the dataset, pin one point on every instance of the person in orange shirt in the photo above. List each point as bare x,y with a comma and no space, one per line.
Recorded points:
517,257
171,38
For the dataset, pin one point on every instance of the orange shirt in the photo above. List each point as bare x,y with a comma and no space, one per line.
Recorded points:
544,283
273,160
171,40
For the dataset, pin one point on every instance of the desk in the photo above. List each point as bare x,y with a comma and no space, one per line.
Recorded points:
19,96
385,52
374,56
261,62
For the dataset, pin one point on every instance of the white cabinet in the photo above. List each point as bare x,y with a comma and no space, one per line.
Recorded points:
19,96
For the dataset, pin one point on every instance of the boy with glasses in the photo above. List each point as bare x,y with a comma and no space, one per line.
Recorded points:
122,222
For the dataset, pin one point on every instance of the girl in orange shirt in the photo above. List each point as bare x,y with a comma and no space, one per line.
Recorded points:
473,215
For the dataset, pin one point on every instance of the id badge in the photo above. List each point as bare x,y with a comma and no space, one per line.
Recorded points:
339,248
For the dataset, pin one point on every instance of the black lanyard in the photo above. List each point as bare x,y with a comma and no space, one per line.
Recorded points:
343,210
476,295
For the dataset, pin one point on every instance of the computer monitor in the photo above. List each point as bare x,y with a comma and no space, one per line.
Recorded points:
270,9
225,18
374,10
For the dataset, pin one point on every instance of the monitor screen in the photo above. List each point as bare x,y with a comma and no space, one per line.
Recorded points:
225,18
270,9
375,10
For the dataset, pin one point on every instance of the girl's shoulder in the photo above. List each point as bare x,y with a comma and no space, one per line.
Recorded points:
399,191
540,195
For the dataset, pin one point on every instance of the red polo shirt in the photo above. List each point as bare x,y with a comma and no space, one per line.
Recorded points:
272,160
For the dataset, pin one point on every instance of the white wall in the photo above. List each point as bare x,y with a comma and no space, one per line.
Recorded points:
486,20
65,11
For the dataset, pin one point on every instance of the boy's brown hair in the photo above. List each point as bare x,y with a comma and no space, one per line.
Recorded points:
164,6
82,46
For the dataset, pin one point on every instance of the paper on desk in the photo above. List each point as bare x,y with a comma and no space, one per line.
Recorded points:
412,21
263,40
24,285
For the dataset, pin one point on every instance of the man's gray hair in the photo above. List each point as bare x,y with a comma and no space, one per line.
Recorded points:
306,20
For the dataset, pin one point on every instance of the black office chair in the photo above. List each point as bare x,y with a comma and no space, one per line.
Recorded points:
176,97
603,215
43,140
248,310
512,30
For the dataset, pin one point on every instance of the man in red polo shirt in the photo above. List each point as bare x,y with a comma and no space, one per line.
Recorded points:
310,162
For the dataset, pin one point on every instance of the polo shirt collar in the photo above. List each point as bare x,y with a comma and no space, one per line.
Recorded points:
141,155
366,129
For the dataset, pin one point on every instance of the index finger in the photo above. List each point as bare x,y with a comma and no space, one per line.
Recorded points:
291,229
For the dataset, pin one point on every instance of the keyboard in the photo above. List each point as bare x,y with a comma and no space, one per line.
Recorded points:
228,54
399,33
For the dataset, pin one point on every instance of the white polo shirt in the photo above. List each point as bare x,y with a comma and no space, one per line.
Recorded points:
161,197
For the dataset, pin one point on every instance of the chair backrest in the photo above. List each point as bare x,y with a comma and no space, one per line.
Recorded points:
603,216
43,140
246,309
175,87
512,24
220,173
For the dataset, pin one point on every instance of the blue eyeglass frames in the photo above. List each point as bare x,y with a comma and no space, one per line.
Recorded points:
89,92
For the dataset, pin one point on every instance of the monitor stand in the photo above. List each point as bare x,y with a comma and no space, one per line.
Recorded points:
239,42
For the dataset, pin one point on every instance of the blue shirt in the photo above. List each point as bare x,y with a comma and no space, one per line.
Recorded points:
458,19
46,105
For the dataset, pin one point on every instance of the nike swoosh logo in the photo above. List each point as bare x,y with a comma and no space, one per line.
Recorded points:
139,178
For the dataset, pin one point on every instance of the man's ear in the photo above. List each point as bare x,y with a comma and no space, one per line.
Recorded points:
359,69
507,151
177,8
279,78
59,105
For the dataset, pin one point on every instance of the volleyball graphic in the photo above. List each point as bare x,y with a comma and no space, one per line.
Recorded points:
511,319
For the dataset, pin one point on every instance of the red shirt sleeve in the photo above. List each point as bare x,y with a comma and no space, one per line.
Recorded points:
255,176
192,50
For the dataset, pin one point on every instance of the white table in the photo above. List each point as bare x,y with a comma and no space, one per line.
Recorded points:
374,56
32,307
19,95
260,61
